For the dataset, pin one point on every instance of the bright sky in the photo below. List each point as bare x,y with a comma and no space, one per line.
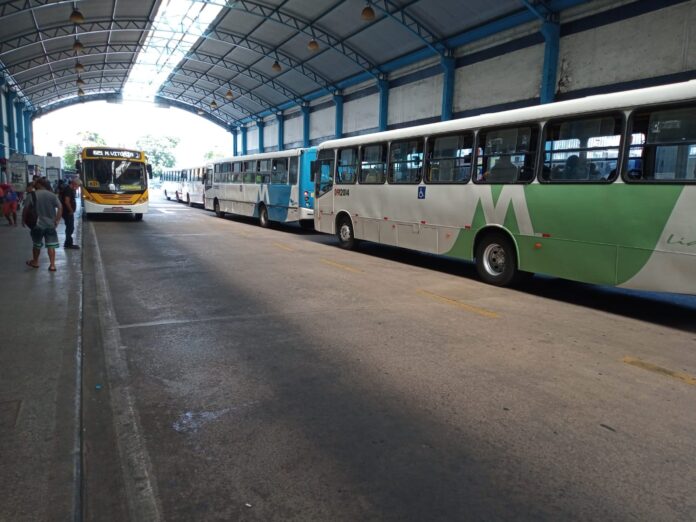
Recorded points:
122,124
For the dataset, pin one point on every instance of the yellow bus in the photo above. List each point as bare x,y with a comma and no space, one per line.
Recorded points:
114,181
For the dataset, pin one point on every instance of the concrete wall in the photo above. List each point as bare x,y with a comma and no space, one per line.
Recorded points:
270,134
360,114
322,123
293,128
653,44
415,101
252,138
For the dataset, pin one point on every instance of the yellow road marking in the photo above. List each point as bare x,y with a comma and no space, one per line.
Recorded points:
284,247
339,265
469,308
684,377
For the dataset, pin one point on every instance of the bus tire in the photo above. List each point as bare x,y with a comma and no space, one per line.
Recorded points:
496,260
263,216
216,207
138,217
345,234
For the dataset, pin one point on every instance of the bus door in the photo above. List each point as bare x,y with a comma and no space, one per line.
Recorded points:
323,172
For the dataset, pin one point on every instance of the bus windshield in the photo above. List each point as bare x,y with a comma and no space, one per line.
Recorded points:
106,175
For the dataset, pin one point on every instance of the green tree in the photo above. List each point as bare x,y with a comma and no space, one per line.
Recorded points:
213,154
71,151
159,150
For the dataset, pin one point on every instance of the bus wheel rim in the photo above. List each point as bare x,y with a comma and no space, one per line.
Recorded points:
494,259
345,232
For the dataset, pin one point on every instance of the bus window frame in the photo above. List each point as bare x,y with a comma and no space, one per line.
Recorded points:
627,149
428,158
515,125
386,163
421,171
357,165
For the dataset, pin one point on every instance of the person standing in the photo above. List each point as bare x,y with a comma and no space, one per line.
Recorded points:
69,206
9,207
48,211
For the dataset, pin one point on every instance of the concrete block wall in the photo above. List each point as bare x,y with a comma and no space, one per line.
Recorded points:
293,129
360,114
322,123
270,134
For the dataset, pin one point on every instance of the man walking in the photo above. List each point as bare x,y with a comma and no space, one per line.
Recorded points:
69,207
48,211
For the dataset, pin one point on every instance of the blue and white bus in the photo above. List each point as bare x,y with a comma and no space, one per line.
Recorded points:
271,186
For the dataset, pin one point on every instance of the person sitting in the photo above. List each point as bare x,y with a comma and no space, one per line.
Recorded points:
503,171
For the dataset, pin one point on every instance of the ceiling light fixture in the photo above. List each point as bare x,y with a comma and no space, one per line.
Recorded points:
80,92
201,112
313,45
80,81
229,95
79,67
213,105
368,14
76,17
77,46
276,66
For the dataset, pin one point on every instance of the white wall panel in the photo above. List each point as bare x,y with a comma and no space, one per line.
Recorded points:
510,77
322,123
361,114
653,44
252,138
270,134
415,101
293,129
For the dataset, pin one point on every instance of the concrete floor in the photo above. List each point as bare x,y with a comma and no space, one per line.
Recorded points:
240,373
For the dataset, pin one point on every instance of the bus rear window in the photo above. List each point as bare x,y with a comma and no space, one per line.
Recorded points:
663,146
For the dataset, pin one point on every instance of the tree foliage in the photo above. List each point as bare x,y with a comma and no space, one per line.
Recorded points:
160,151
71,151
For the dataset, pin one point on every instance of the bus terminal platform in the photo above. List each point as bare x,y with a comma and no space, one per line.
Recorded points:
39,375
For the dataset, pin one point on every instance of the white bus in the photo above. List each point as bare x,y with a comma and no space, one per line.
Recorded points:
600,190
187,184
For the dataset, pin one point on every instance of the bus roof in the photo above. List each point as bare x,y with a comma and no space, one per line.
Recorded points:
261,155
589,104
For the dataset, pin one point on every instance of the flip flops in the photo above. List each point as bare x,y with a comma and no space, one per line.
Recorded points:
31,264
51,268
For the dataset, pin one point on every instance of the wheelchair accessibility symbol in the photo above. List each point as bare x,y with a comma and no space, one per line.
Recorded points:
421,192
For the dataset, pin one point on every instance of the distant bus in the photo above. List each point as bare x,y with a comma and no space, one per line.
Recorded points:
599,190
114,181
185,184
270,186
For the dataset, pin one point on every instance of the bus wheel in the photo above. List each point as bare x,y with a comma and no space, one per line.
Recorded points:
138,217
344,233
263,216
496,261
219,213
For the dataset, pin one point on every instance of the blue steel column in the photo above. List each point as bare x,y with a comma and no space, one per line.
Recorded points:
383,85
338,100
233,130
10,98
243,130
260,124
2,123
19,135
447,63
305,126
281,130
551,30
29,131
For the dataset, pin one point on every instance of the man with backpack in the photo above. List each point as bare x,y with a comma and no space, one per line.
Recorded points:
44,207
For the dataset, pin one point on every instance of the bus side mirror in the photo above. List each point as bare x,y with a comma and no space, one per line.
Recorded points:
149,171
78,165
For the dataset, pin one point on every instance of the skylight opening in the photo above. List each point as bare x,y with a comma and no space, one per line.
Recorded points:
177,27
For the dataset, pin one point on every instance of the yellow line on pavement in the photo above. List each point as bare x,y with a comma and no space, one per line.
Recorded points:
684,377
284,247
339,265
469,308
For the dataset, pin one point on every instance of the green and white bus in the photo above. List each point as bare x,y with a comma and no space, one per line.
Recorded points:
600,190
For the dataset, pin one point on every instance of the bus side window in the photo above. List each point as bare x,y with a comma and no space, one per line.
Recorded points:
323,169
507,155
293,171
449,159
373,164
663,146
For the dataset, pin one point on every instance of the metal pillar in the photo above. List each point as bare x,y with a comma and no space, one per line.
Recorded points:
233,130
243,130
29,131
260,124
447,63
383,85
305,126
338,100
19,134
9,105
551,30
281,130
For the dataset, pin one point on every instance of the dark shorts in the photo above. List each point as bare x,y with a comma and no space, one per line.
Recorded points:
38,235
